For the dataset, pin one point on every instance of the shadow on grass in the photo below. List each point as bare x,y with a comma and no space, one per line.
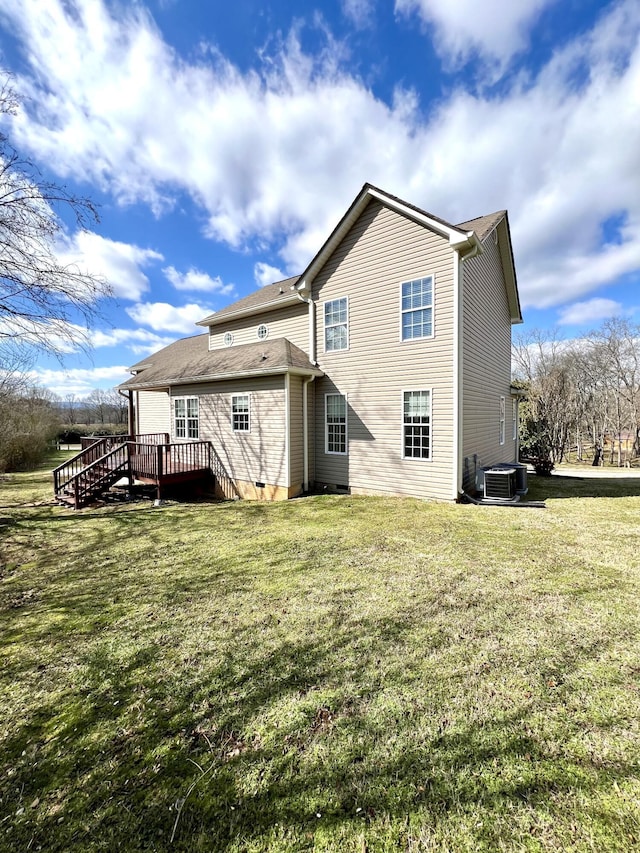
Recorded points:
280,712
280,739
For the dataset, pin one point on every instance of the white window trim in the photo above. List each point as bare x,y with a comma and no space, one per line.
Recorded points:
233,397
514,417
262,326
502,419
325,327
185,398
418,459
430,337
328,452
228,339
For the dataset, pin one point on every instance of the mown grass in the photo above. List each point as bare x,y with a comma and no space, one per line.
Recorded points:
327,674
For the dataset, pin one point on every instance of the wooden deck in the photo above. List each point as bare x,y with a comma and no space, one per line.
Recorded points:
150,459
168,464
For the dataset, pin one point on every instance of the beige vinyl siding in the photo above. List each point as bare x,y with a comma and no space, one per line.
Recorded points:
296,442
486,359
290,322
154,412
382,250
256,456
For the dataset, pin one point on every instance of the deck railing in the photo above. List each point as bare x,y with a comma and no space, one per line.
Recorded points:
160,460
100,474
93,448
87,441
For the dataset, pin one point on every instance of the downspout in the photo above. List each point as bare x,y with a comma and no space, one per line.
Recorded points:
131,418
305,387
474,249
312,326
287,432
305,431
458,282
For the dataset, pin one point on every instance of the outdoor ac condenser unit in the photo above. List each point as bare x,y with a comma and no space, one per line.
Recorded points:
521,474
500,483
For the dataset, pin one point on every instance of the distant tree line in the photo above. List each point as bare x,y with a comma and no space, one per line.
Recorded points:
582,396
33,419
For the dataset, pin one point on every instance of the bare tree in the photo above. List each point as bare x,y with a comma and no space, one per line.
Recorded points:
44,302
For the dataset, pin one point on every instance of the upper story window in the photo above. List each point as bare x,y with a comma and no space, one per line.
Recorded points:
263,332
336,320
417,308
240,413
228,339
416,424
186,419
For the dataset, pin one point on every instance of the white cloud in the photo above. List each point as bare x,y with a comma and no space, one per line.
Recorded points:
112,103
79,381
359,12
496,31
139,341
170,318
591,311
119,263
265,274
195,280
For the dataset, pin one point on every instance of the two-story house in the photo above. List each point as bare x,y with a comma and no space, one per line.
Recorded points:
383,369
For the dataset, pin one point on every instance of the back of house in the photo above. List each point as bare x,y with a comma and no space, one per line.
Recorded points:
383,369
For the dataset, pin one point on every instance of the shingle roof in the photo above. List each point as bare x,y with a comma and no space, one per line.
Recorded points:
189,359
483,225
279,291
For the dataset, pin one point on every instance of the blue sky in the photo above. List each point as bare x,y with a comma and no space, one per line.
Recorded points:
224,141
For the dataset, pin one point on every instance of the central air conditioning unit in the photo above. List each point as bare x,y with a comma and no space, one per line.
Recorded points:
500,483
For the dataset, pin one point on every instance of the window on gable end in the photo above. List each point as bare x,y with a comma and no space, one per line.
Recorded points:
336,325
416,425
335,407
417,308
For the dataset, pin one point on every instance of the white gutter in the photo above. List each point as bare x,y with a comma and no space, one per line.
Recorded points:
214,320
473,247
220,377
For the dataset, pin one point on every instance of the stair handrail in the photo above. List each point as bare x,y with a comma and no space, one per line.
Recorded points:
76,464
98,485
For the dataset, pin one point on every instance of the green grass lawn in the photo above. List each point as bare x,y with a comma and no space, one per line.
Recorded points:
331,674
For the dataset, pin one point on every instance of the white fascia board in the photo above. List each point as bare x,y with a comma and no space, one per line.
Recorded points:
223,377
454,235
248,312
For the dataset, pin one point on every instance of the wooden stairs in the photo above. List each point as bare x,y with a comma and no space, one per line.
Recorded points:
148,459
89,474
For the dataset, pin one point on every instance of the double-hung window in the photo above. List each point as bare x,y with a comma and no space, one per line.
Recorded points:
501,420
240,413
336,322
186,421
335,407
417,308
416,425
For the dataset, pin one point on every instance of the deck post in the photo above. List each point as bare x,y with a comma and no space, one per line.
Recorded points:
129,468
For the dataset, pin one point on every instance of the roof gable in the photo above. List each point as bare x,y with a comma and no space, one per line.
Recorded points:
458,238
